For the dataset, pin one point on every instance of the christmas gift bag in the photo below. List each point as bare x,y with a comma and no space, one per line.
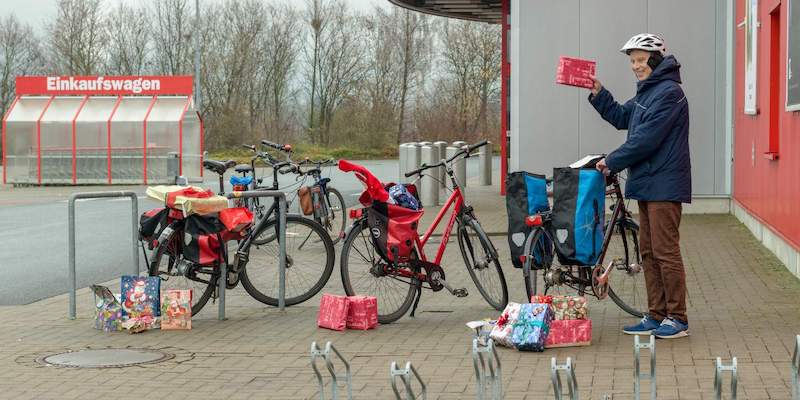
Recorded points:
502,330
332,312
568,333
362,312
532,326
140,302
108,312
176,309
570,307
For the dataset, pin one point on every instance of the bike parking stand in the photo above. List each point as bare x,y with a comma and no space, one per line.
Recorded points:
405,375
484,357
720,369
637,375
325,354
569,371
796,369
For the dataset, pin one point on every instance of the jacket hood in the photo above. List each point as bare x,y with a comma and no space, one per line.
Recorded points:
669,69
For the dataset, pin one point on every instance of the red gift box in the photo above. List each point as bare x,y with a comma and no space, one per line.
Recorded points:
362,312
542,299
568,333
575,72
333,312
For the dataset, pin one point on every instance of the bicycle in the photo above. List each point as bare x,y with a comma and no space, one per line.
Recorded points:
309,255
630,293
398,282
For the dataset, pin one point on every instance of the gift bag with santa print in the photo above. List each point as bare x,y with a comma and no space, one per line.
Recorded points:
141,297
176,309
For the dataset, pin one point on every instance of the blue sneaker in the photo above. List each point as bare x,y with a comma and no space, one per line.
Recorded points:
645,327
671,328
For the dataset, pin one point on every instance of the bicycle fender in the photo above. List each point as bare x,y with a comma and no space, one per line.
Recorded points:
355,225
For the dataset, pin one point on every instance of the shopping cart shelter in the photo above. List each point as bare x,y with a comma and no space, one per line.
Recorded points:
77,130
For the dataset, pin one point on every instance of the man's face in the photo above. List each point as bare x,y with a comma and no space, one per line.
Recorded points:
639,64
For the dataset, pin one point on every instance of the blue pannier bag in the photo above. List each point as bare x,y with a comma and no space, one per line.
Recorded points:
578,215
526,194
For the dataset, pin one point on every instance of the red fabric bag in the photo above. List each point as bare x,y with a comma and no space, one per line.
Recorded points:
362,312
569,332
236,219
576,72
333,312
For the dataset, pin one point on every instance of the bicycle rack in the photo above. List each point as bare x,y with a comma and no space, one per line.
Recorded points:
637,375
718,377
405,376
326,355
494,377
796,370
572,383
71,232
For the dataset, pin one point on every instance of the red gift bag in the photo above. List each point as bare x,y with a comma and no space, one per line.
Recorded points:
333,312
575,72
235,219
569,332
362,312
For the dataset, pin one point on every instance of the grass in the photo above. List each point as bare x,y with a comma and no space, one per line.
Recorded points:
303,150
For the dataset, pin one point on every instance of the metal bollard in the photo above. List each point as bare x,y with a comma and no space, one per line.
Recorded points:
494,378
572,383
405,375
326,355
413,160
459,143
637,375
429,186
402,156
485,165
460,170
442,148
425,143
796,370
718,378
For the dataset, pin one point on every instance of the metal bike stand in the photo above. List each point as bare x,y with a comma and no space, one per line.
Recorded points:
316,353
637,375
572,383
71,232
718,377
494,377
405,376
796,370
282,210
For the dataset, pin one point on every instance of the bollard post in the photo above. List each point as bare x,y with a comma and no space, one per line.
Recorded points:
459,143
429,189
460,170
442,148
425,143
414,159
485,165
402,156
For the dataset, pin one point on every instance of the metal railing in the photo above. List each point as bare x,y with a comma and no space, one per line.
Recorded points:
637,375
405,375
325,354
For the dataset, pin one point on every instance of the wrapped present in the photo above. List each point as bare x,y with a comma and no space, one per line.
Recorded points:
140,324
333,312
141,301
570,307
568,333
542,299
362,312
108,311
176,309
532,326
502,330
189,199
575,72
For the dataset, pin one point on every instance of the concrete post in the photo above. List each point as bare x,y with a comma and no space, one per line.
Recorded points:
402,155
425,143
460,170
459,143
441,147
429,187
413,160
485,165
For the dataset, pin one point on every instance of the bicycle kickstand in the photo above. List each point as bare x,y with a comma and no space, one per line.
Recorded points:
416,301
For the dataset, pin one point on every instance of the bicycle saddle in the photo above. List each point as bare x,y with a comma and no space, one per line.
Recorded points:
218,166
243,168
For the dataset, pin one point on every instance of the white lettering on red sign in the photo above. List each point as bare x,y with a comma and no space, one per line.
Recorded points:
55,83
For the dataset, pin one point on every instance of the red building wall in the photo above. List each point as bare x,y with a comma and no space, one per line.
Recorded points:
767,184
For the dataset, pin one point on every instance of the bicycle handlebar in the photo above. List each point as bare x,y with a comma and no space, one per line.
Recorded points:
469,149
286,148
249,146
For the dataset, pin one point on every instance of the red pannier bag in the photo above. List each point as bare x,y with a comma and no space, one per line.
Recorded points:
575,72
333,312
393,230
236,219
362,312
203,238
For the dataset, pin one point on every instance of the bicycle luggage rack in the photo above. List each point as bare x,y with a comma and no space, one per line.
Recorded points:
572,383
493,378
718,377
637,375
316,353
405,375
796,370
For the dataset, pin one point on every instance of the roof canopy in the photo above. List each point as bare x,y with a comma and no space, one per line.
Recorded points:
475,10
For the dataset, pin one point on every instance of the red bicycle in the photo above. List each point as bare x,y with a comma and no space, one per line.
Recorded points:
383,255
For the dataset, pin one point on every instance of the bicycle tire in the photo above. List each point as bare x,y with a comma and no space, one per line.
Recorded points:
490,259
335,228
547,254
171,248
633,309
359,235
247,274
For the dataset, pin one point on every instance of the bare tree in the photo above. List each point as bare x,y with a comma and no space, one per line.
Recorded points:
77,37
316,17
20,54
415,45
172,27
486,44
129,47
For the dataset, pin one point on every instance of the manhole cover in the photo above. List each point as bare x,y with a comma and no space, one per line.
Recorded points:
106,358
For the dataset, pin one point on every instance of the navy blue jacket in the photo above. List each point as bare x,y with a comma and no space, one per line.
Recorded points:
656,151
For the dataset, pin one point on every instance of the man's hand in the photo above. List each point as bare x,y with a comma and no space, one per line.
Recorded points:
596,87
602,167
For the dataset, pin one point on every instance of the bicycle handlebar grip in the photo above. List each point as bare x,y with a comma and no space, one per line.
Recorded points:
249,146
479,144
412,173
282,147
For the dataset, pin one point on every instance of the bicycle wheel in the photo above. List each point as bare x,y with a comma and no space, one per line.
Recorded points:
482,262
200,279
547,276
309,263
364,272
626,282
540,255
337,215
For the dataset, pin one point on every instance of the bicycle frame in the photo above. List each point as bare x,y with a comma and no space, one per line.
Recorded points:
456,200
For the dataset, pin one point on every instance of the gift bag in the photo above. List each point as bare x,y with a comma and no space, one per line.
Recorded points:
502,330
362,312
570,307
176,309
140,297
333,312
108,312
568,333
532,326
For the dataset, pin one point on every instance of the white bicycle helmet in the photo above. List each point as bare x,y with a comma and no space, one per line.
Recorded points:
646,42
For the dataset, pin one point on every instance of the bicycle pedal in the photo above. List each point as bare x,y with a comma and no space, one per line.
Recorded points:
460,292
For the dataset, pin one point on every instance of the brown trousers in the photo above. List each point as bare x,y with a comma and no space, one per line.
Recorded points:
659,240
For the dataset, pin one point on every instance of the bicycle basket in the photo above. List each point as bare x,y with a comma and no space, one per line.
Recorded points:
393,230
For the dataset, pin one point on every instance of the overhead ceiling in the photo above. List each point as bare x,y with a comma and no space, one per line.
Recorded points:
475,10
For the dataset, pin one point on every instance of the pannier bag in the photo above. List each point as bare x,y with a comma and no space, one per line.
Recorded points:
578,215
152,222
526,194
236,219
306,203
202,238
393,229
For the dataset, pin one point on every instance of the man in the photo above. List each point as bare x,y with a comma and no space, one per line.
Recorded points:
656,153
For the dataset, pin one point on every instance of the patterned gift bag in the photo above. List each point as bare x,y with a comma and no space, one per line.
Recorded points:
532,326
570,307
568,333
502,330
108,311
176,309
362,312
333,312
